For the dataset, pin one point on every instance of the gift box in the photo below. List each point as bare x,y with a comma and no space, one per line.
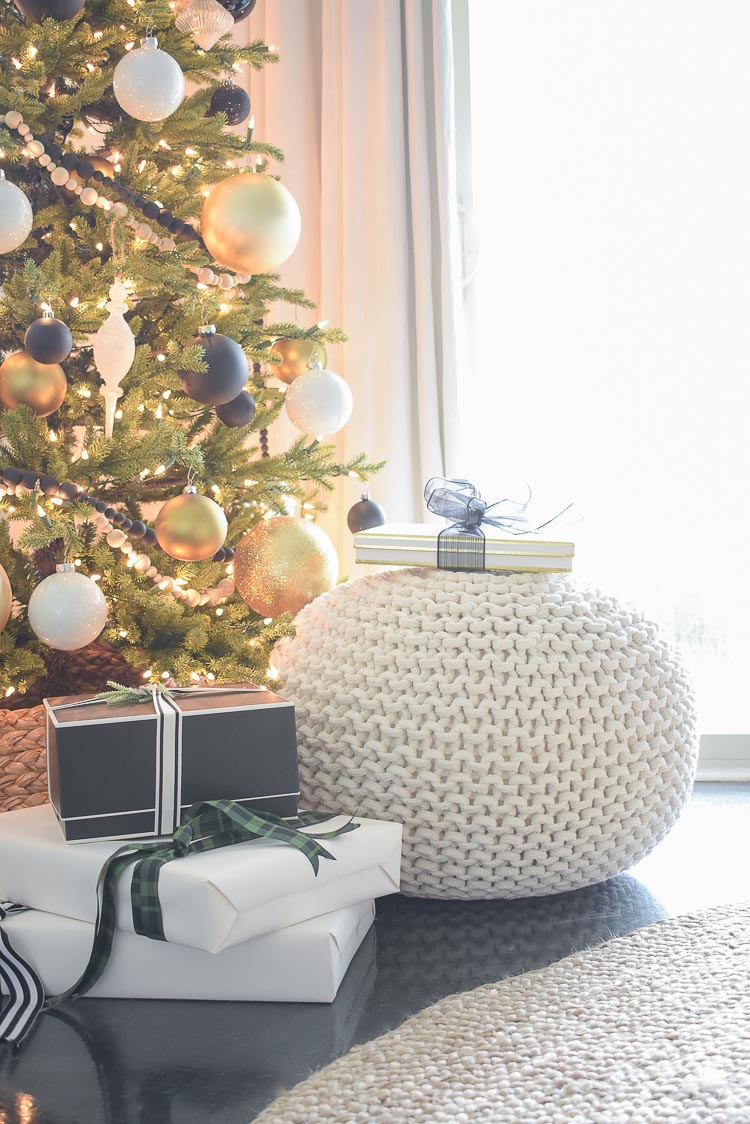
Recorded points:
209,901
302,963
416,544
129,771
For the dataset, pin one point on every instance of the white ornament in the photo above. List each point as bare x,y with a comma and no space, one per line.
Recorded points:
319,402
207,20
16,216
148,83
67,610
114,352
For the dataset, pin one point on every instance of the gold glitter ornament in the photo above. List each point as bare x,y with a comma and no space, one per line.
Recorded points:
24,382
6,598
297,356
283,563
190,527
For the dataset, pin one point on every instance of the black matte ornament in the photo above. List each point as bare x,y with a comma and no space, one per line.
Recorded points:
138,529
12,475
69,490
220,555
240,411
228,553
37,11
151,211
126,524
110,513
85,168
54,151
232,100
150,539
69,161
227,372
48,340
238,9
365,515
100,506
29,480
164,218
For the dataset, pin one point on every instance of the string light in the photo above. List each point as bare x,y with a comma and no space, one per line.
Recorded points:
74,302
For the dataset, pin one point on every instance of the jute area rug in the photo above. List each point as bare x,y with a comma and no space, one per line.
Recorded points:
653,1027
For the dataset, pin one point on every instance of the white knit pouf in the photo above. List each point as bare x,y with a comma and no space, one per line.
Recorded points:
531,735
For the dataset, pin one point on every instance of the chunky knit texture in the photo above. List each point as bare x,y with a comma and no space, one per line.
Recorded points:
649,1029
532,736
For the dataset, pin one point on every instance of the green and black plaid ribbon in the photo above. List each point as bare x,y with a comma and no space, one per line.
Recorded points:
205,827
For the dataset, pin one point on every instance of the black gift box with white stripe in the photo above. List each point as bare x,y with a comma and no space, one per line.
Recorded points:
130,771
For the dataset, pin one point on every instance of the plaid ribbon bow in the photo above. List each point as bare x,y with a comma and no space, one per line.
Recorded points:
205,827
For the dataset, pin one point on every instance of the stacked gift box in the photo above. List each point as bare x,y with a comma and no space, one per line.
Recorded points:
248,920
476,535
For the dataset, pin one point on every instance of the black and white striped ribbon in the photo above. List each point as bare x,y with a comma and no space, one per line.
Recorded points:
22,984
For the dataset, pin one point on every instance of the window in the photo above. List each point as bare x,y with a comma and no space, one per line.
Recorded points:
611,173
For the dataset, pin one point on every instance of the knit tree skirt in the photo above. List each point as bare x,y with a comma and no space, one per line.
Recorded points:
532,735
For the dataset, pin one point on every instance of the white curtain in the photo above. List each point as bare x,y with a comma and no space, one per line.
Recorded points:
363,105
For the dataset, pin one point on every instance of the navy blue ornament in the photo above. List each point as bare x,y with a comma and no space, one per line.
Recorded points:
227,373
231,100
365,514
240,411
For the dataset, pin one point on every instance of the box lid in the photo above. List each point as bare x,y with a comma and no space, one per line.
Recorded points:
415,536
72,710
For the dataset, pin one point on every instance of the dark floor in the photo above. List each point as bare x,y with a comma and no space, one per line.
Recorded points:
114,1061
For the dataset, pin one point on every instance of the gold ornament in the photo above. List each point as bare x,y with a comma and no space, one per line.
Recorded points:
23,381
250,223
297,357
6,598
191,527
283,563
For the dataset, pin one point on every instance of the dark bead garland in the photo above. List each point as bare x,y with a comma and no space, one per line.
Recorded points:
85,170
134,528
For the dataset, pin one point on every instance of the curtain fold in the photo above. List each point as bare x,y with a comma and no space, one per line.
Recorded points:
363,105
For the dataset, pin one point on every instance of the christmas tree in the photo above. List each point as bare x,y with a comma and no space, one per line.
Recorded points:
140,239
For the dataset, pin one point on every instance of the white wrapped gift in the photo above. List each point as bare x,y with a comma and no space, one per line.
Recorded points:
416,544
303,963
209,901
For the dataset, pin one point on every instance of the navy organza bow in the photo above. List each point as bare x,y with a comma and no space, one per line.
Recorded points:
460,503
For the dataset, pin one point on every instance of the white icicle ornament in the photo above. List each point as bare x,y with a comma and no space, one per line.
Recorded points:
114,352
